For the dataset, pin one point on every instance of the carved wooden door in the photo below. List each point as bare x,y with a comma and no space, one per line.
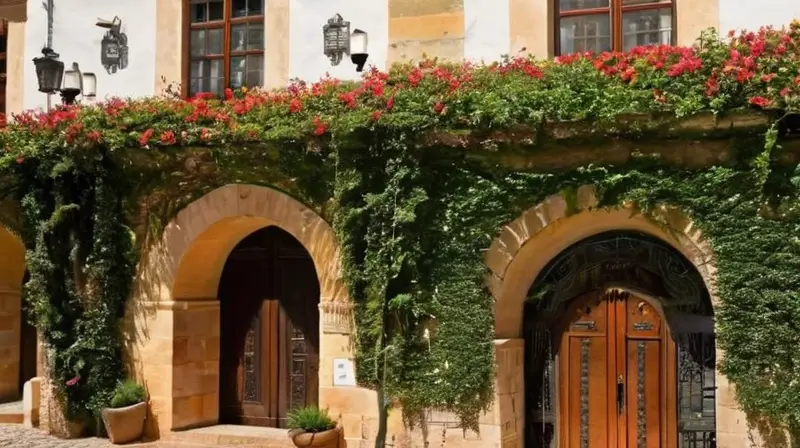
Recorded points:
616,362
276,367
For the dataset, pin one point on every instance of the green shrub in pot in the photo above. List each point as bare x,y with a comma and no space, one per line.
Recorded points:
312,427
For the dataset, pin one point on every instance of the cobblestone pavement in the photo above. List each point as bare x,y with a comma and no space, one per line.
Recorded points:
19,436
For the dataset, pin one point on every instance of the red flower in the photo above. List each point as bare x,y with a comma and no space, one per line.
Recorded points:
390,103
20,159
295,106
168,138
145,138
759,101
376,115
438,108
94,136
320,126
785,91
768,77
228,94
74,381
414,77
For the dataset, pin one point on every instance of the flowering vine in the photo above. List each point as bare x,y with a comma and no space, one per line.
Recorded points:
396,211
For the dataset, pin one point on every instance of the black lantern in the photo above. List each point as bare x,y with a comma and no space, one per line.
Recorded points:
336,39
49,71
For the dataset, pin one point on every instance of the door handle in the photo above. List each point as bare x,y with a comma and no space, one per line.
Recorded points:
620,395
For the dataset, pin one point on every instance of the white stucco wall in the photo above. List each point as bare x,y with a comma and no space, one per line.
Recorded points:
77,39
751,15
307,17
486,30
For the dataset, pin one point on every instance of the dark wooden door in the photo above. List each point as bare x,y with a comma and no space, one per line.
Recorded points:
269,359
617,366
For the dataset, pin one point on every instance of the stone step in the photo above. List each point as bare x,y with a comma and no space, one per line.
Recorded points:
11,412
229,435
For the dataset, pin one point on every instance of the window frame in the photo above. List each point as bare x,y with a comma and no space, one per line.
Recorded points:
615,9
4,71
225,24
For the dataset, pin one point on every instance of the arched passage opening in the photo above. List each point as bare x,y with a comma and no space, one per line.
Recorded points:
269,330
619,347
17,341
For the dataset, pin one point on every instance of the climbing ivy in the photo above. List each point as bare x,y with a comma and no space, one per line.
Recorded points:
408,166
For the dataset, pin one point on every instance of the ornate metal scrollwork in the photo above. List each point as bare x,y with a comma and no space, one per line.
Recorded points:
626,259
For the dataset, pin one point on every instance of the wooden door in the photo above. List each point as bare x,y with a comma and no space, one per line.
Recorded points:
617,365
269,359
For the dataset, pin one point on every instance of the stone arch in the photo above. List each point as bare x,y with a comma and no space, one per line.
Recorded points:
196,243
12,271
526,245
176,311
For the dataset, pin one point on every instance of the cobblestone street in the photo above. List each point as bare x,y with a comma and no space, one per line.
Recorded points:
19,436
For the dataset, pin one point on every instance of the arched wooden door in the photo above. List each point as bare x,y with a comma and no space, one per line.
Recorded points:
269,340
616,374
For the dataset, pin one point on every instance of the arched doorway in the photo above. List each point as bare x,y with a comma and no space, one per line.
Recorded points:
619,336
269,336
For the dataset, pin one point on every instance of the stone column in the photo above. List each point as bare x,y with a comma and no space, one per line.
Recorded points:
195,363
510,391
10,310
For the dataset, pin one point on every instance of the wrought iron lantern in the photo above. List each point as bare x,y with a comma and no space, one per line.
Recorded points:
49,71
336,38
114,46
358,49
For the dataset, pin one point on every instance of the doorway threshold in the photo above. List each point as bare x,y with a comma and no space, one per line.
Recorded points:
11,412
232,435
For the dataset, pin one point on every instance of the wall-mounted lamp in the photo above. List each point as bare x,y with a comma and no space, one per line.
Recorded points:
89,86
358,49
73,84
338,42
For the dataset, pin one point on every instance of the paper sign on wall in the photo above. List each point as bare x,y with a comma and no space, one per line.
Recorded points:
343,372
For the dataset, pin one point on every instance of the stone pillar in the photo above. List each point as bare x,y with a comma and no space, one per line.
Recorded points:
732,427
52,416
31,402
510,391
152,359
195,363
10,310
356,408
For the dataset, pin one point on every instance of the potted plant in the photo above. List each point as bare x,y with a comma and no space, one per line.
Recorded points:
312,427
124,420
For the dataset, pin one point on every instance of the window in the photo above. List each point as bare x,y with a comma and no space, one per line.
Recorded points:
604,25
3,59
226,45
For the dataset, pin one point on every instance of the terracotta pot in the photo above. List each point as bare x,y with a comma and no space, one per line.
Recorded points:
325,439
125,424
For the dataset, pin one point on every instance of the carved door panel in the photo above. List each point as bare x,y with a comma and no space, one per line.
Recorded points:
617,360
587,369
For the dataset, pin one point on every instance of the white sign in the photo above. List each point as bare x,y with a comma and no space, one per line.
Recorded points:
344,373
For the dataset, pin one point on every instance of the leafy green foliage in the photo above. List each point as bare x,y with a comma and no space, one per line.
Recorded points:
413,218
128,393
309,419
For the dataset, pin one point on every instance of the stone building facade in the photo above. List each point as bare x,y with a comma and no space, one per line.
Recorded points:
175,319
